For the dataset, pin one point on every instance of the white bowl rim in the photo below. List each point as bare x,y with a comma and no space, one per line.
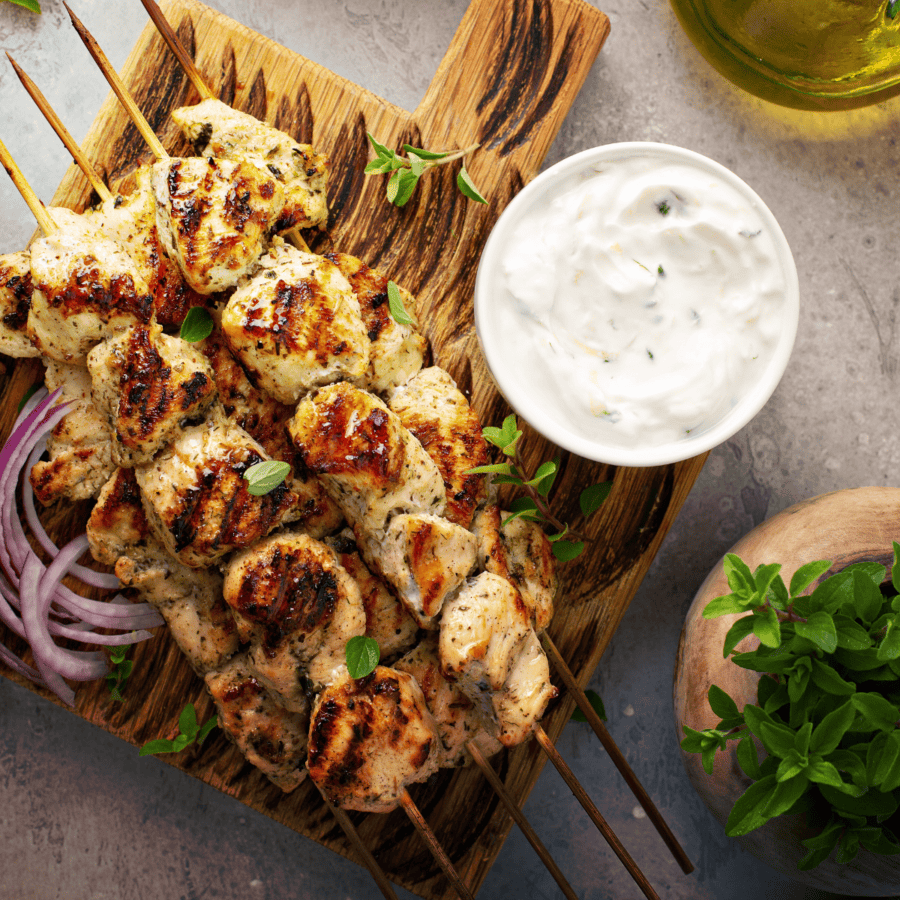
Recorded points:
675,451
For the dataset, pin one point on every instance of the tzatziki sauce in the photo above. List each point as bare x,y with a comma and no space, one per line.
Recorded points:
638,300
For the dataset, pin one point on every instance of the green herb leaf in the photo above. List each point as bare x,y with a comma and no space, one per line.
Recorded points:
544,471
467,186
593,497
867,597
807,574
767,627
889,648
396,307
747,757
161,745
890,10
727,605
596,705
777,739
740,578
887,759
31,5
425,154
362,655
379,149
746,814
416,163
850,634
197,325
265,476
205,729
566,551
721,704
741,629
189,734
831,729
187,721
827,678
820,629
878,712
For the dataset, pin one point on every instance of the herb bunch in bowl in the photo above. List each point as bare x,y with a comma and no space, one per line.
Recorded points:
828,704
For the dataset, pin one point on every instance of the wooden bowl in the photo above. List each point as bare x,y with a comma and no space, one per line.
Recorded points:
845,527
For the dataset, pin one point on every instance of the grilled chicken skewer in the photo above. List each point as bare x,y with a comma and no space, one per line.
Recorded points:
213,215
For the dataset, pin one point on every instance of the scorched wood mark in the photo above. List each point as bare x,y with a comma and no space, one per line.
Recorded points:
227,79
255,104
349,154
296,119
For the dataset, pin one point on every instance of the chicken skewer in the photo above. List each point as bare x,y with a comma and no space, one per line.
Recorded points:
97,183
616,755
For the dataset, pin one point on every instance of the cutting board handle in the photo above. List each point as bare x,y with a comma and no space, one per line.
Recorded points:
512,69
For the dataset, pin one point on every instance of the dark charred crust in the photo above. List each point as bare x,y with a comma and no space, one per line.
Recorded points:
20,287
287,591
88,290
124,500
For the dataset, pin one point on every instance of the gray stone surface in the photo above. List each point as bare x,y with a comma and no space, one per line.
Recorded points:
82,817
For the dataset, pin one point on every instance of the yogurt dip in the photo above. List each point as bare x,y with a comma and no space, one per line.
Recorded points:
639,299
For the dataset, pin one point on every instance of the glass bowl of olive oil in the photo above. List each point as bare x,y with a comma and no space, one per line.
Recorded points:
807,54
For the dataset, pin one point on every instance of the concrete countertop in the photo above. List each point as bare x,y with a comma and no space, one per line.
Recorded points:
81,816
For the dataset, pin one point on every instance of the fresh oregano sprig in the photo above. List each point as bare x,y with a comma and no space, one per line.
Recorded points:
189,732
197,325
362,655
405,171
397,310
31,5
534,506
828,713
120,671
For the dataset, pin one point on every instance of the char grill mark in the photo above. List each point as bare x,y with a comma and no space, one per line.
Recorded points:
86,290
21,288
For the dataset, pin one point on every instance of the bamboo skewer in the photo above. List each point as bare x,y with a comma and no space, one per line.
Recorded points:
62,132
588,805
38,210
175,45
136,116
358,844
519,818
437,851
616,755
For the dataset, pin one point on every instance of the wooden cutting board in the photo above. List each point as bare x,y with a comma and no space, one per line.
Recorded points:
507,81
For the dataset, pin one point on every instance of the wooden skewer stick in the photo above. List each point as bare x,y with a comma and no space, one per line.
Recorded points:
142,125
616,755
437,851
175,45
62,132
520,820
602,825
38,210
356,841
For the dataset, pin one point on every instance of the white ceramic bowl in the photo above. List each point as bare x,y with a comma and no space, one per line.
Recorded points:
493,302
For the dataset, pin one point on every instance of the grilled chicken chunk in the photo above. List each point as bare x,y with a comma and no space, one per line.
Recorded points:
216,129
197,500
455,714
265,420
86,289
397,350
371,466
190,600
519,552
370,738
437,413
131,221
79,446
297,606
295,325
213,217
387,620
271,737
487,646
15,301
424,558
148,384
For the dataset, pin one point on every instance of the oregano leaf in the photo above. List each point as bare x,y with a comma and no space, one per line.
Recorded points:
467,186
746,814
362,655
197,325
265,476
721,704
807,574
395,305
593,497
820,629
596,704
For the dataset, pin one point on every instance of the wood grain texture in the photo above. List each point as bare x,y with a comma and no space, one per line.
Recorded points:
507,81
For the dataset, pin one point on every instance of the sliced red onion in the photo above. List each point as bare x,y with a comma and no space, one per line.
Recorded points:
32,599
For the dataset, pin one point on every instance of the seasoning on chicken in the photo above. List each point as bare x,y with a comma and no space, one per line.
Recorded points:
148,385
214,216
190,600
131,221
387,620
397,350
297,606
425,558
371,466
436,412
265,420
216,129
518,550
455,714
370,738
487,646
80,445
15,301
295,325
271,737
86,289
197,499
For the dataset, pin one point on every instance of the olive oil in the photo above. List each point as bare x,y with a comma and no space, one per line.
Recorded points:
811,54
